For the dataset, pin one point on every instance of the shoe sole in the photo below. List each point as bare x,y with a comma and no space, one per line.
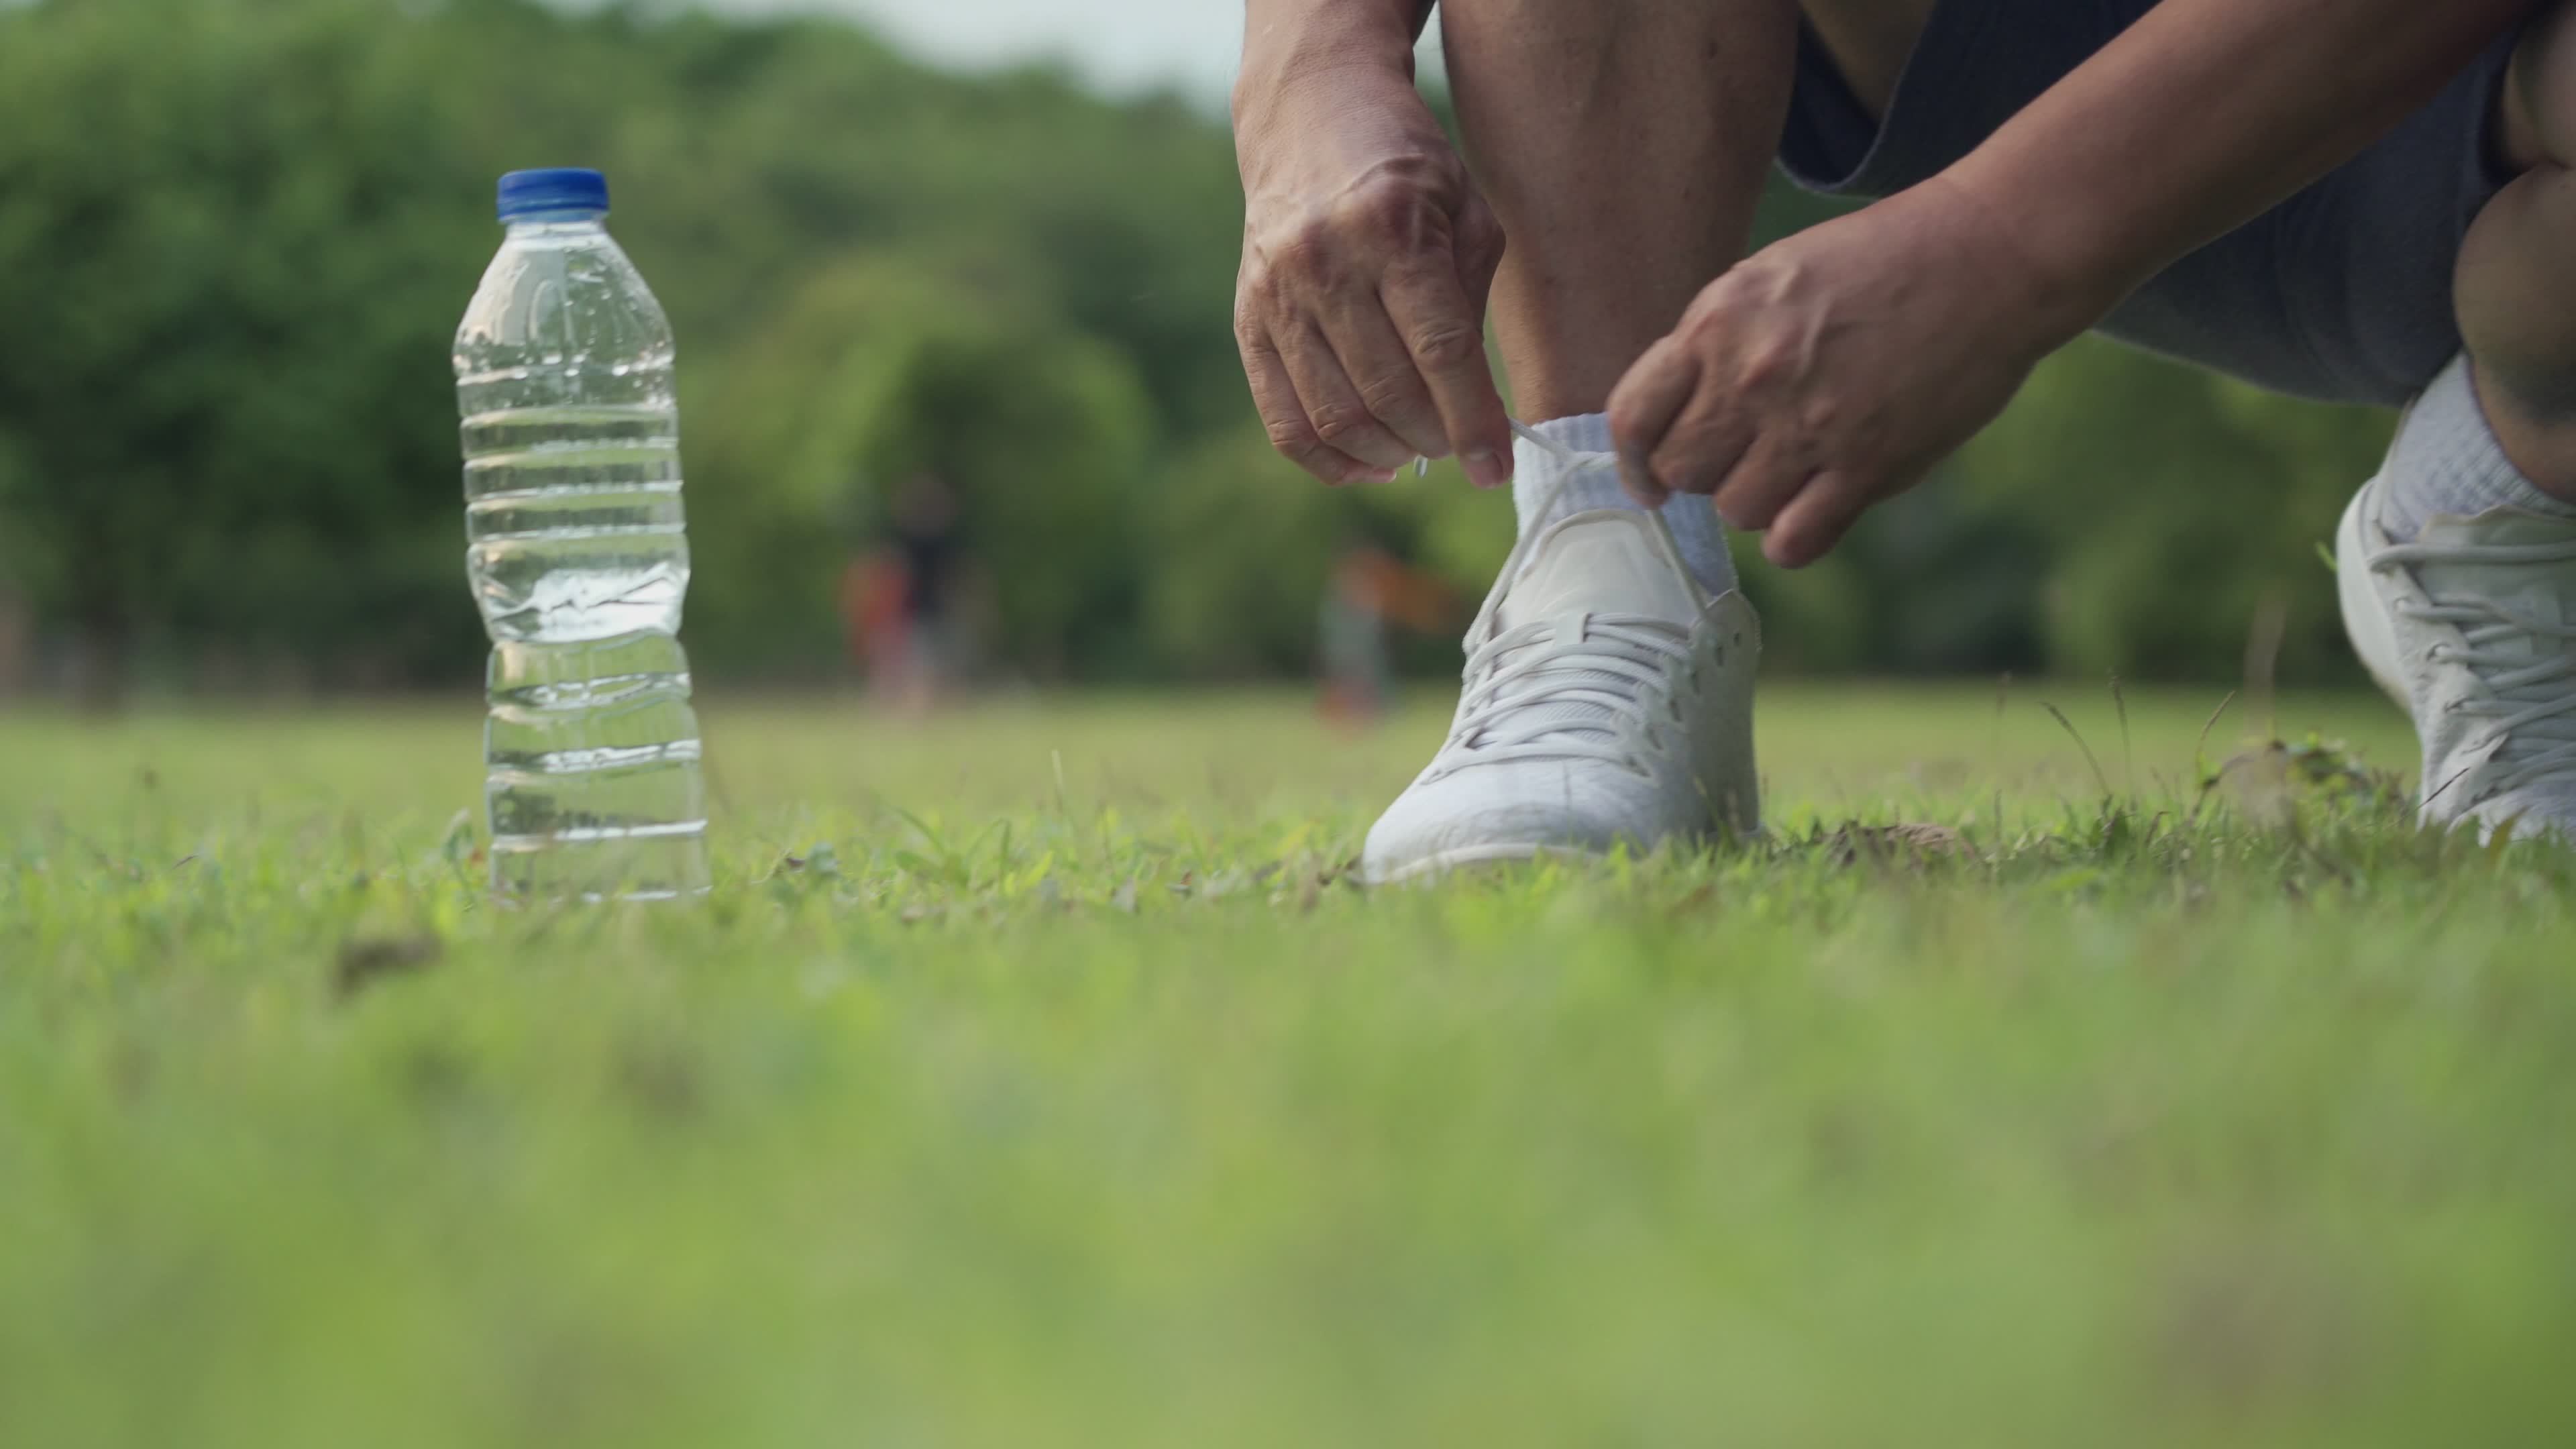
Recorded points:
1467,857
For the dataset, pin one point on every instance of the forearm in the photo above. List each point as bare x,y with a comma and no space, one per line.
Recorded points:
2202,116
1367,252
1285,41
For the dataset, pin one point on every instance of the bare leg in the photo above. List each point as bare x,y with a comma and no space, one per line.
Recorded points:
1622,144
2516,289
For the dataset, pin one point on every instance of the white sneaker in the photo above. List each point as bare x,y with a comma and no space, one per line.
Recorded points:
1608,700
2472,627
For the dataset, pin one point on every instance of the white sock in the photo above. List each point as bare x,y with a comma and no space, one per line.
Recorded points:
2447,461
1592,482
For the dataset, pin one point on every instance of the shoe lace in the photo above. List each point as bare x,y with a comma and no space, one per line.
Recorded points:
1584,686
2527,695
1579,687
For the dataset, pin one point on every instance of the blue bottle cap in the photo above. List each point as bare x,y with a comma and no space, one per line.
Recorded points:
556,188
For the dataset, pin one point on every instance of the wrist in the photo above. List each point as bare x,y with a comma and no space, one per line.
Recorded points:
2068,279
1341,47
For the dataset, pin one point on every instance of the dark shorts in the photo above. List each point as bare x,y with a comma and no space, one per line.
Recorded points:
2343,292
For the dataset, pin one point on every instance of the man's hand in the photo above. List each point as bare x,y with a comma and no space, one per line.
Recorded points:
1832,370
1367,257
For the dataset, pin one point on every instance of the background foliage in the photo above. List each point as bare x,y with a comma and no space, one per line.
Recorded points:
235,235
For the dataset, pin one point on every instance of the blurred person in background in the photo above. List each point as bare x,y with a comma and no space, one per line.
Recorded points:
2368,201
1369,590
17,644
901,603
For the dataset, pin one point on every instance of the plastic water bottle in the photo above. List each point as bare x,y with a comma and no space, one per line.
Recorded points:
577,556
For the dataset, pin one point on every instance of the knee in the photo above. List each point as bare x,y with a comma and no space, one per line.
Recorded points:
2540,91
2512,292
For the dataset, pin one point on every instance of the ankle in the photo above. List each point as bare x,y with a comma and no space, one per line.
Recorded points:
2535,427
1587,432
2460,452
1560,476
1547,486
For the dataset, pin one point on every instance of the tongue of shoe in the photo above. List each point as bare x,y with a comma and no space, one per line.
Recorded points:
1608,562
1589,564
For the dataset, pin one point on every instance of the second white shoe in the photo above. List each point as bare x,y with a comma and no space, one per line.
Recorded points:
2472,628
1608,701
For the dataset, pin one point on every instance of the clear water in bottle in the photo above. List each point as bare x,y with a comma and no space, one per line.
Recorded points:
578,559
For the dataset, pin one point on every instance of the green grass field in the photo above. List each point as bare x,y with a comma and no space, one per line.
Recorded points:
1036,1076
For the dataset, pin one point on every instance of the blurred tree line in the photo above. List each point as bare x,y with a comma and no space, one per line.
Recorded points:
235,236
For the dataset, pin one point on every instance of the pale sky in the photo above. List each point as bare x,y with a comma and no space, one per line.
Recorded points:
1122,45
